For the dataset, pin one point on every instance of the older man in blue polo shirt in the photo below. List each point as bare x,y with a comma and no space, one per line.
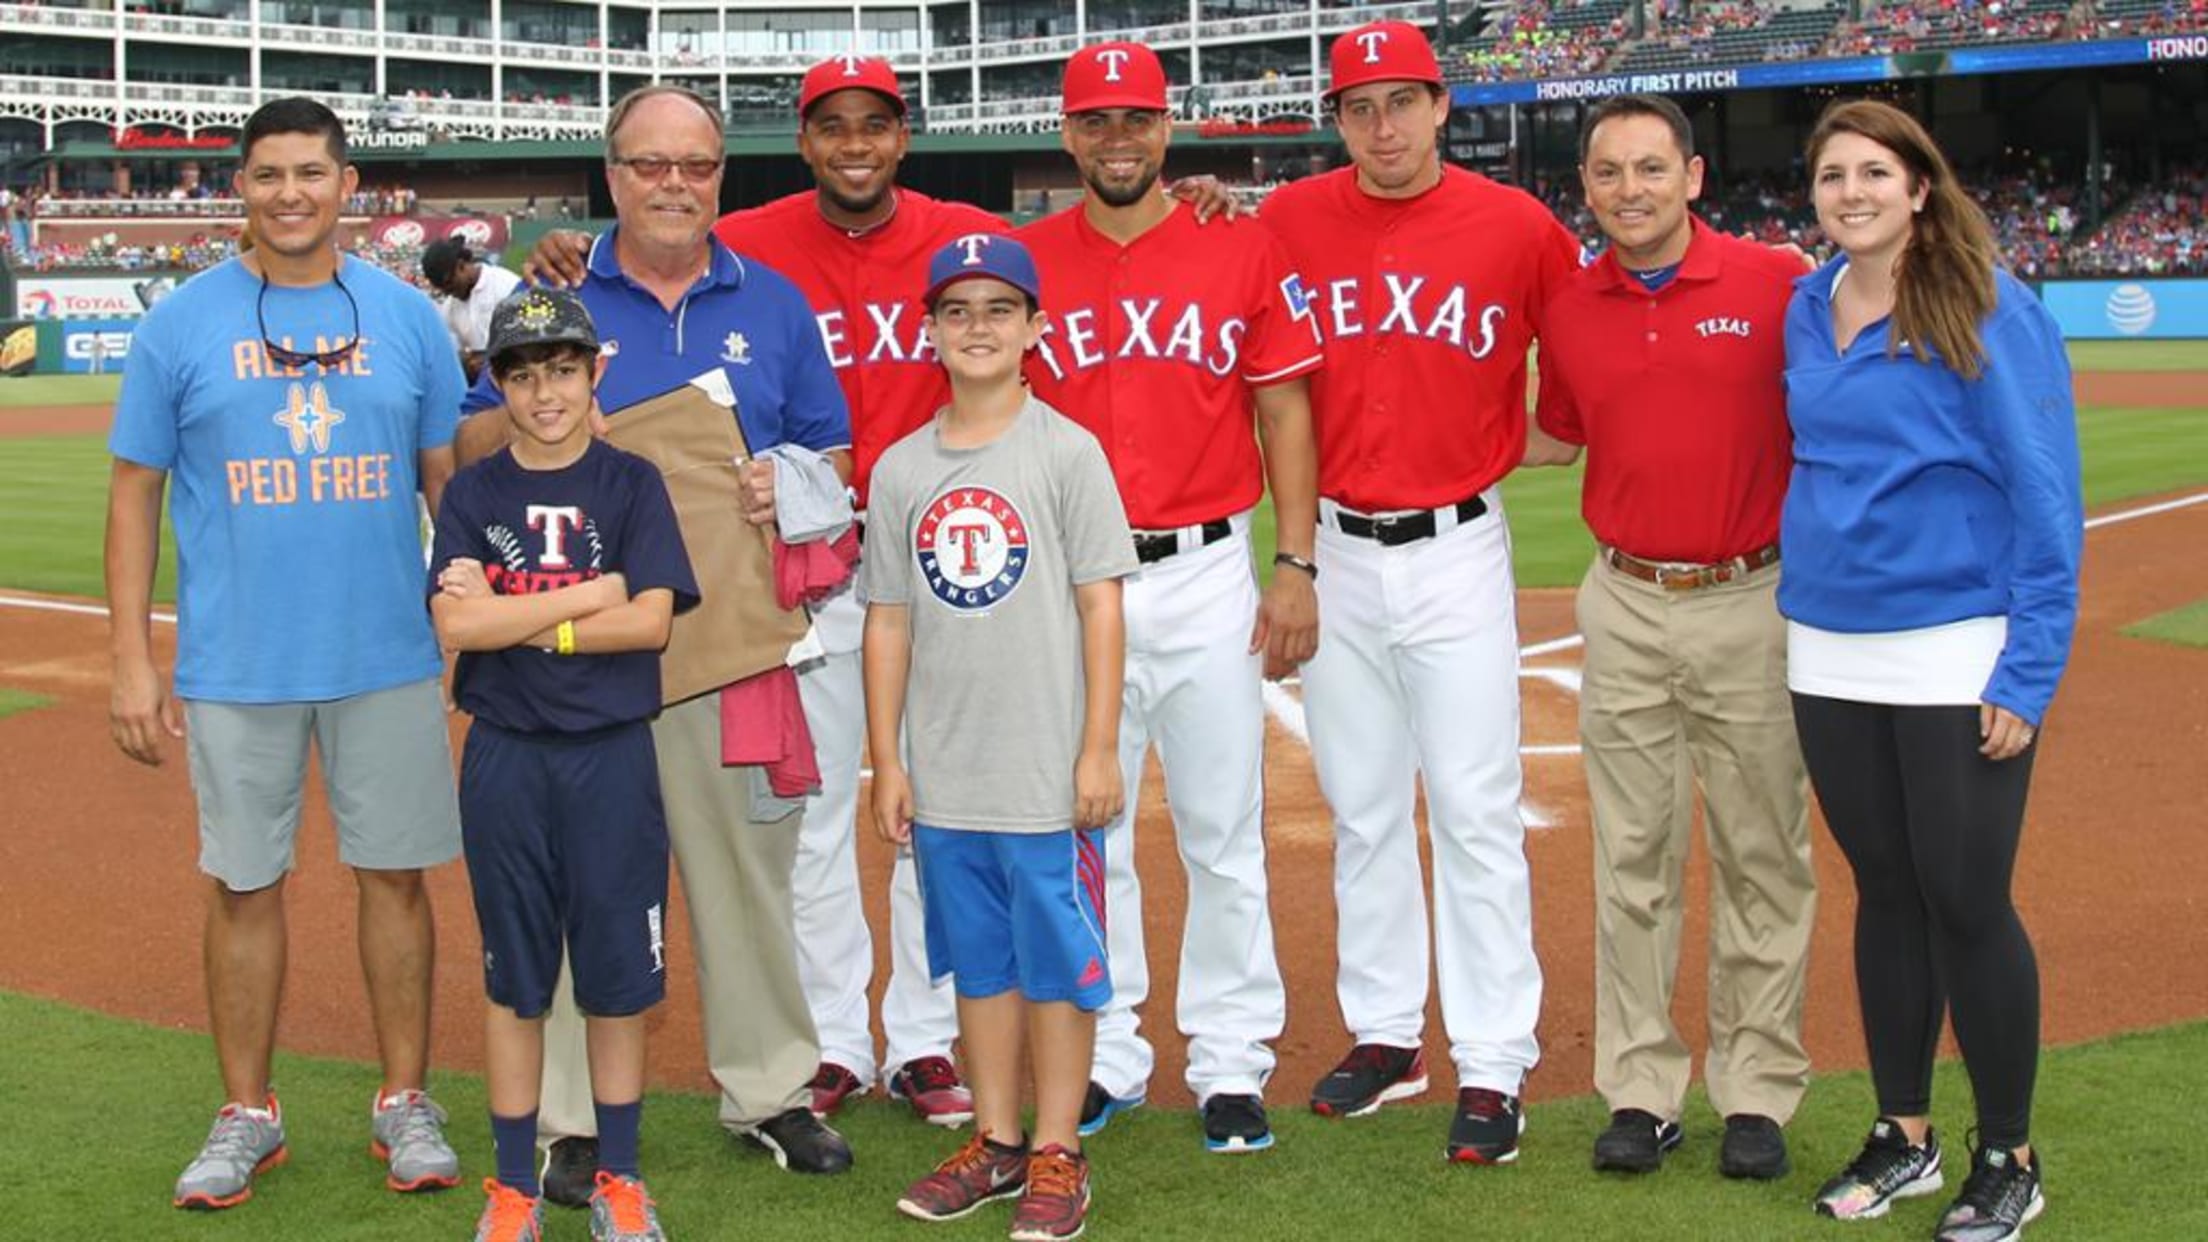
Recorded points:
671,303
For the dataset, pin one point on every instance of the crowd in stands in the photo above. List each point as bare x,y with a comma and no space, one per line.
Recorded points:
2038,221
1904,25
2160,233
1524,45
209,196
2168,17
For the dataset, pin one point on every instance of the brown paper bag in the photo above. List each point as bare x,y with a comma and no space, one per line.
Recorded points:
737,630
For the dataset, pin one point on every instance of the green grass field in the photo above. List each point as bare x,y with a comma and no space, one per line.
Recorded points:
14,701
2187,626
89,1092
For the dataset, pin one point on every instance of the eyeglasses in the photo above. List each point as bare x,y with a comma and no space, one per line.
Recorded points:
285,356
696,168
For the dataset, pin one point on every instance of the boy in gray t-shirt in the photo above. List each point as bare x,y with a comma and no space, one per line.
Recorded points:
994,640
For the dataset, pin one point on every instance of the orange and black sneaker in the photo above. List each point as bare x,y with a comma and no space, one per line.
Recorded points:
982,1171
1056,1204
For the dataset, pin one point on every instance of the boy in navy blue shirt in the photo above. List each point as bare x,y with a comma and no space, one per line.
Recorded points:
556,572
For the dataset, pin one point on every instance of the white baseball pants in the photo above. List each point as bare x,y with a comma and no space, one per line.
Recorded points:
1193,689
1416,676
835,950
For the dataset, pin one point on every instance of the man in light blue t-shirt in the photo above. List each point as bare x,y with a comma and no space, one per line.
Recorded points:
299,399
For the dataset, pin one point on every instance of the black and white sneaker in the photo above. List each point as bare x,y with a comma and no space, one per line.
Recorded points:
1635,1142
1371,1075
1888,1168
1999,1198
801,1142
1486,1128
1236,1123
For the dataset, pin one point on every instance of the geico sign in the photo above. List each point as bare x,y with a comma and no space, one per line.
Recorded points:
84,346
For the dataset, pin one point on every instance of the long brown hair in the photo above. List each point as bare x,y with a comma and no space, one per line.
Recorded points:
1943,282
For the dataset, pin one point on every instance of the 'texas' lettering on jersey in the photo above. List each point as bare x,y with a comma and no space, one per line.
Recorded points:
1147,328
895,338
1406,304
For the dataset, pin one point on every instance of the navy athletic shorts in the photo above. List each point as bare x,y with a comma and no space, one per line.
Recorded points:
565,839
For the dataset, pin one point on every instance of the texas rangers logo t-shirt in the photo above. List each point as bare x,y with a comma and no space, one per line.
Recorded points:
984,548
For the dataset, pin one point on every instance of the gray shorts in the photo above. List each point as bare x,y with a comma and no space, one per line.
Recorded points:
386,767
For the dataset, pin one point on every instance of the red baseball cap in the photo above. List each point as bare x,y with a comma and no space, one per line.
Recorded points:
1382,52
870,73
1114,75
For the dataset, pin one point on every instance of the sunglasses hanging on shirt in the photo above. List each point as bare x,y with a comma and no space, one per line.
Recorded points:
285,356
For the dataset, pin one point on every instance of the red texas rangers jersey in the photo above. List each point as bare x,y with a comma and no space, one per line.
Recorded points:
865,290
1428,305
1156,346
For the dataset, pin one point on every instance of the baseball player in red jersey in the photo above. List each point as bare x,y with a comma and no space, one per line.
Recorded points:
858,245
1428,282
1672,347
1162,342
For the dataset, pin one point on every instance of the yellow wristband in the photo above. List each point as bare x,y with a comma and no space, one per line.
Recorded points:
563,638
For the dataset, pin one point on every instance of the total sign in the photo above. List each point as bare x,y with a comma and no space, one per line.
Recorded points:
76,298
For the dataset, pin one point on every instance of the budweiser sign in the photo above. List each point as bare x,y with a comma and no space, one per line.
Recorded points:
132,138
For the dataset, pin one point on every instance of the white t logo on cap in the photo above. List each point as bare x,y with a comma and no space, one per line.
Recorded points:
850,64
1371,41
973,244
1112,58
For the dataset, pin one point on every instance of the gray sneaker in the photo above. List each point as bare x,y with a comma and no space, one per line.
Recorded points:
409,1133
620,1211
242,1144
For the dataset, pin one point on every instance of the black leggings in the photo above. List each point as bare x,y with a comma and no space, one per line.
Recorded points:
1930,828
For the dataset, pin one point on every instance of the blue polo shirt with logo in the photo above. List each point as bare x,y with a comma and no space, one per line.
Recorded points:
742,317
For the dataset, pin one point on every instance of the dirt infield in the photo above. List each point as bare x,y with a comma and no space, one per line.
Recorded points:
104,903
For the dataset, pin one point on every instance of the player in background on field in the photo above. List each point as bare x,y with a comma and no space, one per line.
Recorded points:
1673,349
1429,282
994,654
556,573
1173,344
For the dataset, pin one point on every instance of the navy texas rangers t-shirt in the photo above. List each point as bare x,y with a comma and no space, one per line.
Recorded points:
539,530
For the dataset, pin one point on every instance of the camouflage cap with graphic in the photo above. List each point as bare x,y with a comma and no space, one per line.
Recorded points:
532,316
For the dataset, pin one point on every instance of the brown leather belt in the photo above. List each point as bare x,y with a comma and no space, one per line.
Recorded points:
1674,577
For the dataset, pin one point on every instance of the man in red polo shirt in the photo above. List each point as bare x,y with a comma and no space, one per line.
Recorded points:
1672,349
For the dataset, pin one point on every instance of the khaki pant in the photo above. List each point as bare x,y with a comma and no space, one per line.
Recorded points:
1684,687
735,873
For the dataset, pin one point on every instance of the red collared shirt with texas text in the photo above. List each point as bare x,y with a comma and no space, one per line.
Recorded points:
866,291
1157,347
1679,396
1428,306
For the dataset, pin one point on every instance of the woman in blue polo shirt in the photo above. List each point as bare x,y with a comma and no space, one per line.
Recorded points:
1932,530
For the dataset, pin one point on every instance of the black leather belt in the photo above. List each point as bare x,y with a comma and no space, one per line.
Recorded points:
1153,547
1397,529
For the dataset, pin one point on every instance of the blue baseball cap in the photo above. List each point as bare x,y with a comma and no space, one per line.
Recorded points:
990,255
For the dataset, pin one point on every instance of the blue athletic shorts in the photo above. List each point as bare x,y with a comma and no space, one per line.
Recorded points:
1012,910
566,840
